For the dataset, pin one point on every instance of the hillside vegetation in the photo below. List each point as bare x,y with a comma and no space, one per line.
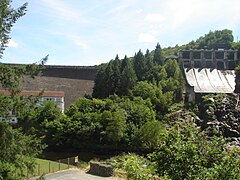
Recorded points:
137,106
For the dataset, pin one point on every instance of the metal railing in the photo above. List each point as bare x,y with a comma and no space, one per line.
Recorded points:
46,166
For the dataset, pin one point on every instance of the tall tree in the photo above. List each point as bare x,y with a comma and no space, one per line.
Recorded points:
16,149
139,65
116,74
158,57
8,17
100,82
128,77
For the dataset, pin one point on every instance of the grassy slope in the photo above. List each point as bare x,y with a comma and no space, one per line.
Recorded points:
45,166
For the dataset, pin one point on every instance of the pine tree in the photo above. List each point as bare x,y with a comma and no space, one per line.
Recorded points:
128,77
139,65
116,74
100,82
158,57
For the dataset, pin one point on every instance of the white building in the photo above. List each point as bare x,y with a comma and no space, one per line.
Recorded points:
55,96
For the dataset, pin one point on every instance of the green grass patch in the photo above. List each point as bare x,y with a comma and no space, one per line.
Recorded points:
44,166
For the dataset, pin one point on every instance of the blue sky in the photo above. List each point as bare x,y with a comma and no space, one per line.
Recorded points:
91,32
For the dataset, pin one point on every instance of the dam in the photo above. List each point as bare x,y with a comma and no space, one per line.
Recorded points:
208,71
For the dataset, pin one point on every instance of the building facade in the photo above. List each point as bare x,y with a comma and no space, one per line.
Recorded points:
57,97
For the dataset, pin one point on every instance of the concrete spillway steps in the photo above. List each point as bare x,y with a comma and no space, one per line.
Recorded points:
210,80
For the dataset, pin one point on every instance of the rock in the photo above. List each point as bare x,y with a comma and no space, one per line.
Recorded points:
101,169
223,117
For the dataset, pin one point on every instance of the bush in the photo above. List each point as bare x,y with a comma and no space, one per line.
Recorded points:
187,153
136,167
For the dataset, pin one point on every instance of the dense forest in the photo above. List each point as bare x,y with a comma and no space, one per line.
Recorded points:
137,106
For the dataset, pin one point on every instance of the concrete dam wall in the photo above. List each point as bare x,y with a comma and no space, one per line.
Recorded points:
74,81
210,80
208,71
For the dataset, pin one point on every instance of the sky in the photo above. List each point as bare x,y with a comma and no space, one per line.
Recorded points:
91,32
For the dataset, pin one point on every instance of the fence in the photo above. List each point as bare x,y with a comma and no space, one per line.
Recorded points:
45,166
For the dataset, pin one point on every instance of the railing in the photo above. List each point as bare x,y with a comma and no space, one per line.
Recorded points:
46,166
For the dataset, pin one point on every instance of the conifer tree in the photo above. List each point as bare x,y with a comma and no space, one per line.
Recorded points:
139,65
128,77
100,82
158,57
116,74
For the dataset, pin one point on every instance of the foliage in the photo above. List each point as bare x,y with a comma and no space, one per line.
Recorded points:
136,167
158,57
111,121
8,17
116,125
115,77
215,40
237,79
222,39
187,153
17,151
139,63
149,136
228,168
120,76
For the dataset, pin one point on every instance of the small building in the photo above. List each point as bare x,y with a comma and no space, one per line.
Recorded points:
54,96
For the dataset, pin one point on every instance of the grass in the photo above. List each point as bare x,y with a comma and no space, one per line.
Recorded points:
44,166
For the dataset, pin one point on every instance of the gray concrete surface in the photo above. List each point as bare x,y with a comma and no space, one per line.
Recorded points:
74,174
210,80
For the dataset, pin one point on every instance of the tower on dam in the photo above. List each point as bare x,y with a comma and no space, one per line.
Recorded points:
208,71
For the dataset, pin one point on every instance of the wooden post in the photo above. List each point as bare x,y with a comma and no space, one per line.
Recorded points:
59,165
68,163
49,170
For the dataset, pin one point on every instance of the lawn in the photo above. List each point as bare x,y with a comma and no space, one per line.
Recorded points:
44,166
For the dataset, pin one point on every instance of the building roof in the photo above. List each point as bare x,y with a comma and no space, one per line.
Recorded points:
172,56
210,80
36,93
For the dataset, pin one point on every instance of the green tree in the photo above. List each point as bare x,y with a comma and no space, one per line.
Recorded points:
100,82
237,79
116,126
8,16
149,64
17,151
139,64
128,77
116,78
149,136
158,57
187,153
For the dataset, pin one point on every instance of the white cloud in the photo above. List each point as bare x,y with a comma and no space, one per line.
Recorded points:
138,11
146,38
12,43
63,11
154,18
79,42
118,9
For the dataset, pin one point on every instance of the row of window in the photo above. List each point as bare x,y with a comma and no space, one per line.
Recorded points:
9,120
54,99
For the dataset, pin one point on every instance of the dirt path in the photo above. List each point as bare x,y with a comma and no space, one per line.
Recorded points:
75,174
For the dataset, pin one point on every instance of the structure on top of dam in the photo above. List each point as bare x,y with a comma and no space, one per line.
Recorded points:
208,71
